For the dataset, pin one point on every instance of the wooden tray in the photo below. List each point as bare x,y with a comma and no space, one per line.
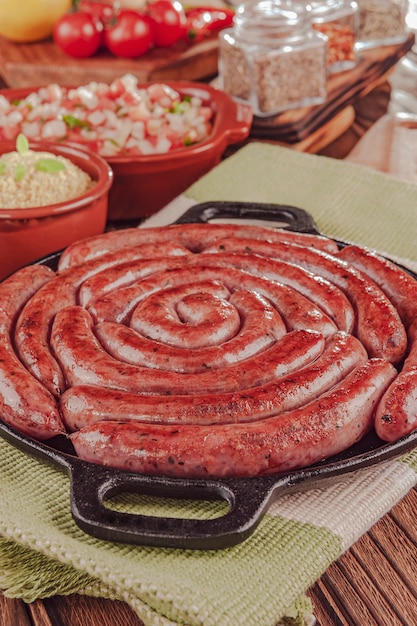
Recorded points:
344,89
23,65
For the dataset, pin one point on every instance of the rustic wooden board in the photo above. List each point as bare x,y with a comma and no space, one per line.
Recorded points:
23,65
344,89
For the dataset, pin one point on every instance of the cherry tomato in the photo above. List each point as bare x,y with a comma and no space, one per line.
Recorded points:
79,34
168,19
204,21
130,36
104,11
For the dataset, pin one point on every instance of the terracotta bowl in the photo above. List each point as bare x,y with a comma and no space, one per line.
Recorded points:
144,184
30,233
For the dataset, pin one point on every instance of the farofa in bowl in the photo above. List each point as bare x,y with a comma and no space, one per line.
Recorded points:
41,222
30,179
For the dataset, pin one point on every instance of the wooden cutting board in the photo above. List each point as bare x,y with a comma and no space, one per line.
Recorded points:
23,65
343,89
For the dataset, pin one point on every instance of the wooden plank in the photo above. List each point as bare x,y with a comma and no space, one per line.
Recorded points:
43,63
374,582
13,612
76,610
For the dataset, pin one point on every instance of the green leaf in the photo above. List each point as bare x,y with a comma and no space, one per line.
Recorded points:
49,166
20,171
22,144
2,168
72,122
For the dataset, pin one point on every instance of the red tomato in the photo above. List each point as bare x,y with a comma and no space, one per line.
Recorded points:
104,11
204,21
169,21
101,11
78,34
130,36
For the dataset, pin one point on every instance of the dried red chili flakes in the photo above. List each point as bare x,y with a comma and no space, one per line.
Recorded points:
341,42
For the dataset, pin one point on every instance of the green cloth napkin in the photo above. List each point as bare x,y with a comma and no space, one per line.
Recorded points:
348,201
262,580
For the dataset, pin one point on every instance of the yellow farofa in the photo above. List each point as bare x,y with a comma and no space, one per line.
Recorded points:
38,188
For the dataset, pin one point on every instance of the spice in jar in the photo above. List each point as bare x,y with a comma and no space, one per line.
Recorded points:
338,21
272,58
381,22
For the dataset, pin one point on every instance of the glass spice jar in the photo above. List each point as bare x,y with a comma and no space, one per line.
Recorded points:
272,58
338,20
381,23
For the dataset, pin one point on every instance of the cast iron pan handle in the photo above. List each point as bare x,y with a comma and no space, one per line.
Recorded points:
287,216
248,499
92,484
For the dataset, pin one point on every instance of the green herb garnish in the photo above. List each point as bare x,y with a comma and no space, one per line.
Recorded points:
20,171
2,167
74,122
22,144
49,165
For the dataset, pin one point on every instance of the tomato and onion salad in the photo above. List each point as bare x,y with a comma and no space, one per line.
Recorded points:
123,118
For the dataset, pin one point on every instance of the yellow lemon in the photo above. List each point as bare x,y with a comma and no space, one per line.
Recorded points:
33,22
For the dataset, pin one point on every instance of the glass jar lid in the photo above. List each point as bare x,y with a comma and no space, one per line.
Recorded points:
272,21
324,10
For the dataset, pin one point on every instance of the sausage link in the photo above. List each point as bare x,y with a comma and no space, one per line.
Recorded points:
261,326
296,310
396,415
86,362
399,285
24,403
320,291
189,316
194,237
34,324
295,439
83,405
378,324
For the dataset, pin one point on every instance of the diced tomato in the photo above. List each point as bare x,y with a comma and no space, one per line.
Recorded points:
120,118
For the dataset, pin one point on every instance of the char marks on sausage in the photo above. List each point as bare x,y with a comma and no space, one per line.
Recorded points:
378,324
304,380
195,237
295,439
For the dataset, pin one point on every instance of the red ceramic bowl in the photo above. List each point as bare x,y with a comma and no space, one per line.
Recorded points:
31,233
144,184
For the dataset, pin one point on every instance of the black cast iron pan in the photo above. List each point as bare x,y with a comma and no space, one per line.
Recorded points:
248,499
